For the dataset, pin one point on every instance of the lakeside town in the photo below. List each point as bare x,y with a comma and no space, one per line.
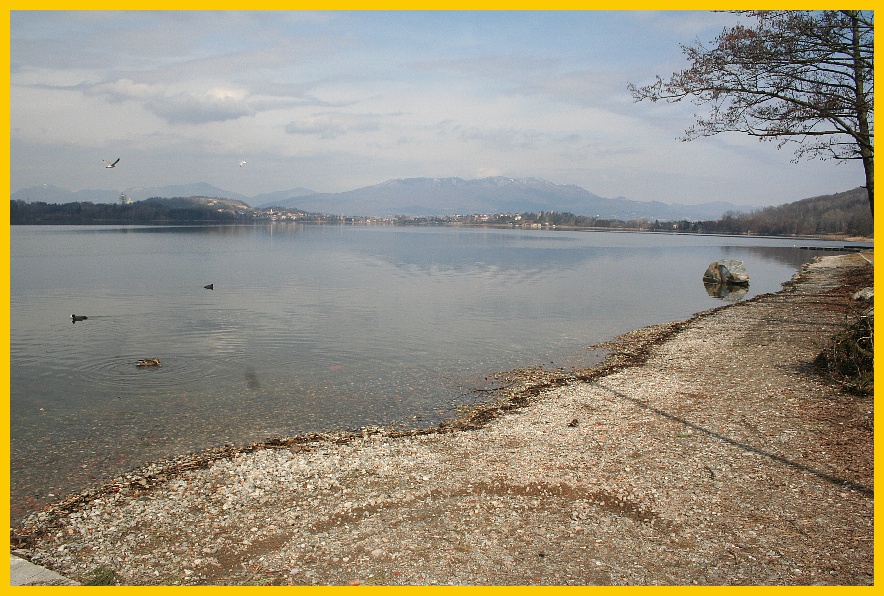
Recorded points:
842,215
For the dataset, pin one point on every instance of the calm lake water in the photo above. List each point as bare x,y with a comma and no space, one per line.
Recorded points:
311,328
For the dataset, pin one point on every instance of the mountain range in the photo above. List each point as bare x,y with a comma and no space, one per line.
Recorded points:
52,194
417,197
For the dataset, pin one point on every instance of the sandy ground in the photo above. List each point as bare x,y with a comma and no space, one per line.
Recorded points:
707,451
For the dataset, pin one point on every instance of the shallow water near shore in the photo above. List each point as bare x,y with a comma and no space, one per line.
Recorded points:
312,328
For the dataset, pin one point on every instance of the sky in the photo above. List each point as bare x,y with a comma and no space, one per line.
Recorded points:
334,101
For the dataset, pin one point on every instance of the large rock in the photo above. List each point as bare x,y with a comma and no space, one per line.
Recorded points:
727,271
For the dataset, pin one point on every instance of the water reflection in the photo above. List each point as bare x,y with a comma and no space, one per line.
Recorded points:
237,230
723,290
726,279
790,256
310,328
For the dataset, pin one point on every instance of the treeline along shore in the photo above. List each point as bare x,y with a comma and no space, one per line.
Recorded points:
844,214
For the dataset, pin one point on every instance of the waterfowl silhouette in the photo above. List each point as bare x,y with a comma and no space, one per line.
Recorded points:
109,164
75,318
210,287
148,362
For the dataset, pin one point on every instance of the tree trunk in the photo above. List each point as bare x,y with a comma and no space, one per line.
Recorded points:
864,140
869,165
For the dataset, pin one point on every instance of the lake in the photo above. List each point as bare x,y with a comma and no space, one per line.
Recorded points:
311,328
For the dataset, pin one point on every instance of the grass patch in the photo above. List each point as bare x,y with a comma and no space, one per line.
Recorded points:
849,359
102,576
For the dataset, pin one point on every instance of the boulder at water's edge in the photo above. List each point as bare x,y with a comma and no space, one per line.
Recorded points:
727,271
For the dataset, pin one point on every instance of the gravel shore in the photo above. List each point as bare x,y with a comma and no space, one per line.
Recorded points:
706,451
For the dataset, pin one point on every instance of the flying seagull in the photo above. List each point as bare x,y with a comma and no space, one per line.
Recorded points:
109,164
241,163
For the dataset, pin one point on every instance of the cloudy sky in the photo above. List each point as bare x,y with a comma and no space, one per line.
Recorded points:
334,101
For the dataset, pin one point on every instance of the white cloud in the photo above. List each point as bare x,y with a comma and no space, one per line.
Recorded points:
334,125
125,90
337,100
211,106
324,127
215,104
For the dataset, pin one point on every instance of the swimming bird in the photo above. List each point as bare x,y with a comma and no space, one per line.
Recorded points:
148,362
109,164
241,163
75,318
210,287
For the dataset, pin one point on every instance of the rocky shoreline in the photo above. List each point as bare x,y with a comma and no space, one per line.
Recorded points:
704,451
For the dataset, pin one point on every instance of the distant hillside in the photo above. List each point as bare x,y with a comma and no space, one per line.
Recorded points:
197,189
450,196
149,211
414,197
842,213
440,197
52,194
276,199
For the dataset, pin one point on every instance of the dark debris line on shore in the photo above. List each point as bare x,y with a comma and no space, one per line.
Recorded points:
519,389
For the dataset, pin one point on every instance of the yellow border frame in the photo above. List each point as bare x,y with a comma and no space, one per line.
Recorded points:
363,5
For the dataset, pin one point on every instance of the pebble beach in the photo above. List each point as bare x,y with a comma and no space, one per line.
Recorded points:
700,452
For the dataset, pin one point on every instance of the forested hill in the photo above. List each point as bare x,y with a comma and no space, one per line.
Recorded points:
149,211
842,213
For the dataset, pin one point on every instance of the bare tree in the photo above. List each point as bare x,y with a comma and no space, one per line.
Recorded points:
803,77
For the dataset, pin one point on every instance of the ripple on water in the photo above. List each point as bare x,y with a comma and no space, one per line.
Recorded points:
122,373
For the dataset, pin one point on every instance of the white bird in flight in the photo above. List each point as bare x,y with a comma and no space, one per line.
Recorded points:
110,165
241,163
